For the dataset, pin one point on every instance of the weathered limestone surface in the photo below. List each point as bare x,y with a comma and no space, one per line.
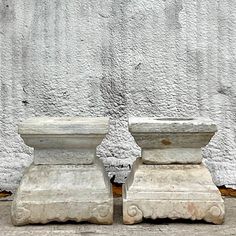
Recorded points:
180,228
168,140
173,155
63,192
66,180
171,191
158,188
67,140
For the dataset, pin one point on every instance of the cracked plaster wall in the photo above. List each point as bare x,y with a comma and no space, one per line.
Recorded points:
118,58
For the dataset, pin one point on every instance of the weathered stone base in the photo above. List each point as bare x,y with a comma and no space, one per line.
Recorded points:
63,192
134,211
171,191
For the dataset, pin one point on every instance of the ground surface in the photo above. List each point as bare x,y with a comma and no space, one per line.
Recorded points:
144,229
118,58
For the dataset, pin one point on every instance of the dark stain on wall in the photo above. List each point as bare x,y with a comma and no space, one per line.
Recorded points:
172,10
7,13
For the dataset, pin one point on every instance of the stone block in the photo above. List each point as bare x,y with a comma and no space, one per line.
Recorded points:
172,156
167,140
63,156
64,140
171,191
169,181
66,181
63,192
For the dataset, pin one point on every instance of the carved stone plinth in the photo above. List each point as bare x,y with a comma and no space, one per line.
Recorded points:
66,180
169,180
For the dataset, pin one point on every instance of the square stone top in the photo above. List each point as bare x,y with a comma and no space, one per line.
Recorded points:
171,125
64,126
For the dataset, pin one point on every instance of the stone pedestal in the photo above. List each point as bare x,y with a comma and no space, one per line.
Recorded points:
169,181
66,181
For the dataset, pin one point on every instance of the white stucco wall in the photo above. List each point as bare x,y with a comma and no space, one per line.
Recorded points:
118,58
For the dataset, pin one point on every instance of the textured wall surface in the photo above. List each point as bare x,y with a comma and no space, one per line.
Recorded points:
118,58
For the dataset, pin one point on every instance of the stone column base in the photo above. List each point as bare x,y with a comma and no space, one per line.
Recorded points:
171,191
63,192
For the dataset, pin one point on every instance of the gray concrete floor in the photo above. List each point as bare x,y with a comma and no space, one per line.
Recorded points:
164,227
